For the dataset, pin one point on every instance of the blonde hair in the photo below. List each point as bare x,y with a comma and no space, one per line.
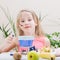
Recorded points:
38,29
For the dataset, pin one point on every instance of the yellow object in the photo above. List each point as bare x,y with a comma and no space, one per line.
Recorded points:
45,55
33,55
44,49
53,57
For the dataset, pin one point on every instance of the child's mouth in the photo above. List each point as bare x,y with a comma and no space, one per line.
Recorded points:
27,26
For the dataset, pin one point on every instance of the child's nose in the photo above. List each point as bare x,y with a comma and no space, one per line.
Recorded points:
26,22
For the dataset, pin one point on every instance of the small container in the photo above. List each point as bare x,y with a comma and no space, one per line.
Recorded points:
25,42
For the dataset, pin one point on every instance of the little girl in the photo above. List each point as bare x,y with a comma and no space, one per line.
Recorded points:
28,24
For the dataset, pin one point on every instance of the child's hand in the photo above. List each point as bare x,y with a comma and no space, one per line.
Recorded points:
9,39
8,44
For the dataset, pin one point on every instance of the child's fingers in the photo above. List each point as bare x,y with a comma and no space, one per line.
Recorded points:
10,37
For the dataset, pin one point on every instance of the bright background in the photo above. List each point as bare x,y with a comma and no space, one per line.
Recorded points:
48,8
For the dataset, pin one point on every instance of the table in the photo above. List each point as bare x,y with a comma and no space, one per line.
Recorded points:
7,56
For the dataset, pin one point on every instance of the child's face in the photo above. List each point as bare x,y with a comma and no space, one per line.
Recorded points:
27,22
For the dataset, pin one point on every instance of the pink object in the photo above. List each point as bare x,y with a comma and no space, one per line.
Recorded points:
22,48
39,42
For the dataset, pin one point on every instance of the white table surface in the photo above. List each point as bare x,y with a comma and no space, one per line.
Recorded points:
7,56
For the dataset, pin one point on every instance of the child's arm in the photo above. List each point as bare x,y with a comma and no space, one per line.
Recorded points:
7,47
8,44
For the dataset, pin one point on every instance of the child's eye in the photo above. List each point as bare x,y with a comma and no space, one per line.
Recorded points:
22,21
29,19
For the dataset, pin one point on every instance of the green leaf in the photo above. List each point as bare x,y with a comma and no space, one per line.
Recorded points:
8,30
11,22
6,26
